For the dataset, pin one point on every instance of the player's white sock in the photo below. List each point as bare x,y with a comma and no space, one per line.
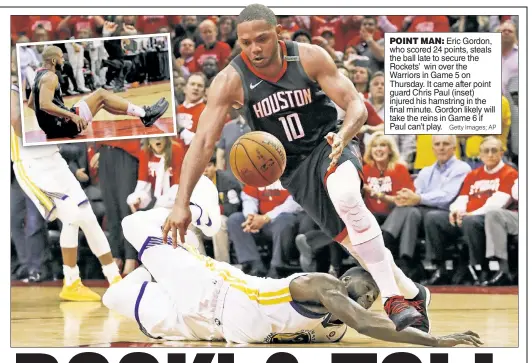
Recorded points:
134,110
110,271
374,257
71,274
406,285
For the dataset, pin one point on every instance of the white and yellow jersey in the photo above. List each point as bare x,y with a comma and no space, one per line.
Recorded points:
261,310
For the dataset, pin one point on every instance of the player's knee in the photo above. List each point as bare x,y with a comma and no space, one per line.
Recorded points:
111,297
130,225
101,93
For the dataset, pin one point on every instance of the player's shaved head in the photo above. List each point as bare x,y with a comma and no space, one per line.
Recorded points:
51,52
257,12
360,286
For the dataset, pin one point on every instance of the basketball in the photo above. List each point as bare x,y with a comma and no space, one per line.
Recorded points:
258,159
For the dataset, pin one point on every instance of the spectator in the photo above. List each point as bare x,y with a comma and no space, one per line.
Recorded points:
210,69
499,224
179,86
317,251
185,63
302,36
160,163
211,47
484,189
229,199
28,63
405,143
370,44
435,188
117,164
361,77
472,143
227,31
513,97
384,175
424,155
230,133
189,111
78,157
28,231
151,24
427,23
77,23
272,212
510,53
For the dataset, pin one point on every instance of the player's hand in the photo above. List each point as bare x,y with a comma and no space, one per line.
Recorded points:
337,145
80,122
178,220
467,338
81,175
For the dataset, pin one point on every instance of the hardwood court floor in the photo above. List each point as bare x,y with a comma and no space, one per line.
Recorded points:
39,319
106,125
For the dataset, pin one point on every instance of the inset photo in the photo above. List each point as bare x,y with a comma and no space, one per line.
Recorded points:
82,90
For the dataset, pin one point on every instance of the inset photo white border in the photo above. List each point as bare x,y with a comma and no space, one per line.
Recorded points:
171,102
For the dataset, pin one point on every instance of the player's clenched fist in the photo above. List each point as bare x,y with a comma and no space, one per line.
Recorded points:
178,220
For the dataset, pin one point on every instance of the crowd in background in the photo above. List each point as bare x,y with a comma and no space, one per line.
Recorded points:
447,205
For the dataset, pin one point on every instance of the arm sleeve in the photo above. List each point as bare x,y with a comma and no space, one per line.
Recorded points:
250,205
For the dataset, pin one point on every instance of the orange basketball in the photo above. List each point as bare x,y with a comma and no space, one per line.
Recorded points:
258,159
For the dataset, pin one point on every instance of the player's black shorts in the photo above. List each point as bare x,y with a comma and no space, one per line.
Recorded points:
57,127
306,182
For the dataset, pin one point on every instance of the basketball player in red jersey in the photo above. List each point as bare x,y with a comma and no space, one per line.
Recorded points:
289,90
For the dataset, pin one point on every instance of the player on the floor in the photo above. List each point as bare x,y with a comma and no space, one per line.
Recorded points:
56,120
47,180
195,297
288,89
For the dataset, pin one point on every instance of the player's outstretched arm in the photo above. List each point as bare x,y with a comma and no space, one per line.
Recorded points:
320,67
210,125
47,88
332,294
15,113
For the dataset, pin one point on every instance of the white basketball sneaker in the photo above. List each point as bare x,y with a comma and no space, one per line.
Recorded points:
205,208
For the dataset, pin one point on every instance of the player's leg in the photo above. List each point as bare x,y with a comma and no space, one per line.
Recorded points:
367,243
118,105
177,270
137,297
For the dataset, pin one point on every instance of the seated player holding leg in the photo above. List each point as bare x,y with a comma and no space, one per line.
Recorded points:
195,297
45,177
56,120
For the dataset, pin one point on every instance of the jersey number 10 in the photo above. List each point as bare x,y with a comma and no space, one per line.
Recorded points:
292,126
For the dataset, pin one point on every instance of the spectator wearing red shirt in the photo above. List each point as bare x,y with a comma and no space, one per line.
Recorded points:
271,213
186,63
160,163
211,47
370,44
188,113
384,175
28,24
429,23
486,188
150,24
499,225
77,23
